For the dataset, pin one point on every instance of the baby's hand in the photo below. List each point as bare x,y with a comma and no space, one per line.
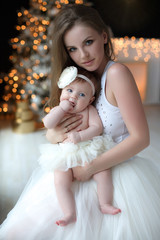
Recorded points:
66,105
74,137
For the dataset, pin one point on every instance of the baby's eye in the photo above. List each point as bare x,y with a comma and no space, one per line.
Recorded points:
89,42
82,95
69,90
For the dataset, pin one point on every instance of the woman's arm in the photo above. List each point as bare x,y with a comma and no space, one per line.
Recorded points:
95,127
124,94
59,133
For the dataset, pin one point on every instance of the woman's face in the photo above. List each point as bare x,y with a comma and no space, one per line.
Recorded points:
86,47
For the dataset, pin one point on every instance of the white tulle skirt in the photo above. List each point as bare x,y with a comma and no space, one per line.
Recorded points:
136,192
67,155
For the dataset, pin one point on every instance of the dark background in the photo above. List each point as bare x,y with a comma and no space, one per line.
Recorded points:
139,18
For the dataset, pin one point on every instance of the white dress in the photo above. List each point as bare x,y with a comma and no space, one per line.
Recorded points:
136,192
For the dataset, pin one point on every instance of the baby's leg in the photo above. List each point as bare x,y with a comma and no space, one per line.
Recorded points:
105,192
63,183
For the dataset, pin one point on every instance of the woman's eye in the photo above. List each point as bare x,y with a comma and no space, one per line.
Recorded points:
69,90
71,49
82,95
89,42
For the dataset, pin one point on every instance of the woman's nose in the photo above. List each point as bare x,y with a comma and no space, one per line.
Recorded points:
83,53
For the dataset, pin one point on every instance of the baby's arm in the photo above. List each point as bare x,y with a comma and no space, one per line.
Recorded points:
95,128
55,116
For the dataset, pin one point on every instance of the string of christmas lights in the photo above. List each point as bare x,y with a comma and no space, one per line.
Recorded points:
141,49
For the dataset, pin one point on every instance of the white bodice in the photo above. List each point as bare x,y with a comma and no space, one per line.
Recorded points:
110,115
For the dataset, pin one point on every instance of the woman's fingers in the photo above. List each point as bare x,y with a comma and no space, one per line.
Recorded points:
81,173
55,135
59,133
71,123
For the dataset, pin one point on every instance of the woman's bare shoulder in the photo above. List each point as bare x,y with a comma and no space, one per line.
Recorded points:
118,68
119,74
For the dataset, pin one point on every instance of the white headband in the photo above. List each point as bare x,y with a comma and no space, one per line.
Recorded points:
69,74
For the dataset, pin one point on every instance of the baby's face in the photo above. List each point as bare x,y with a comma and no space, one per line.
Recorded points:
79,94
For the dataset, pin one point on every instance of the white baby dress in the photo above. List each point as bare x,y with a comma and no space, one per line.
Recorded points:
63,156
136,192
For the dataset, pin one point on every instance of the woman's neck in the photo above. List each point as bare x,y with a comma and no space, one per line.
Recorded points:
103,64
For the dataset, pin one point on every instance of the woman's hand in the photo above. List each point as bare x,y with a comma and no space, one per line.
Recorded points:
82,173
59,133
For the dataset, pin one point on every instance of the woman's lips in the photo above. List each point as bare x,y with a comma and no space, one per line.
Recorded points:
88,63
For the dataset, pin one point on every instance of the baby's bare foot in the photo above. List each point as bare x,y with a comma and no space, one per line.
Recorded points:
109,209
66,220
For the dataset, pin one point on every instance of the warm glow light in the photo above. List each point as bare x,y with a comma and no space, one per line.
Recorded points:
35,41
19,14
22,42
14,46
25,12
44,37
18,97
33,96
28,23
35,34
15,78
10,57
6,78
34,47
139,71
10,82
29,78
47,109
36,22
34,106
40,28
22,91
16,39
5,109
45,22
15,85
32,82
41,74
32,19
35,75
14,90
79,2
23,27
43,8
18,28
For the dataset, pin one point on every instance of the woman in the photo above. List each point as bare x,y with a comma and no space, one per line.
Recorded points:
81,38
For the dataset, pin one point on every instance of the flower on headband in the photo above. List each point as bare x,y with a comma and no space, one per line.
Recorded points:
68,75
